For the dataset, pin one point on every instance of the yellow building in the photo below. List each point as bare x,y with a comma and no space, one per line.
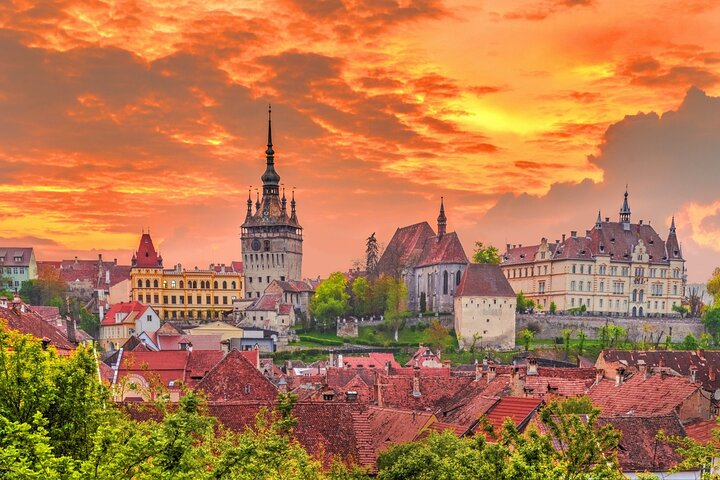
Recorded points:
223,329
183,294
616,268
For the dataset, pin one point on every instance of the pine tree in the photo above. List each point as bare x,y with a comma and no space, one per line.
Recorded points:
371,254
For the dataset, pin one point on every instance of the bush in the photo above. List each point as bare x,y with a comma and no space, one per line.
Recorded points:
321,341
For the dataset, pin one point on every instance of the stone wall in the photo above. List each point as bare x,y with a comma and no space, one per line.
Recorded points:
347,328
551,326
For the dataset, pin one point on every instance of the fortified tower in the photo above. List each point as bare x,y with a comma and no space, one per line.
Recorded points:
271,239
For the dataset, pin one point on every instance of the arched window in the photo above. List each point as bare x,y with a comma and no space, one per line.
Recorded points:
457,277
642,292
215,285
155,283
445,282
634,298
224,285
202,283
634,312
139,283
194,283
182,284
147,283
234,285
640,311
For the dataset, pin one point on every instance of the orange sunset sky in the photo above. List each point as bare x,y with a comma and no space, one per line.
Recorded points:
526,115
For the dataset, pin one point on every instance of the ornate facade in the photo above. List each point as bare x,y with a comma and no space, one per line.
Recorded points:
616,268
271,238
430,264
177,293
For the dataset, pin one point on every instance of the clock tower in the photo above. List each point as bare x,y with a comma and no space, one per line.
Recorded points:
271,239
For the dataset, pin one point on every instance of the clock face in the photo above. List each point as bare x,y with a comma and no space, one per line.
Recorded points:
255,245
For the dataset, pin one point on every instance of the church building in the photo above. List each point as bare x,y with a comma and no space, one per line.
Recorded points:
271,237
430,264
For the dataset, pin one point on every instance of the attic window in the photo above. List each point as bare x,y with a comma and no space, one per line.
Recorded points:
626,255
522,255
351,395
651,242
612,239
247,388
675,252
650,257
328,396
582,252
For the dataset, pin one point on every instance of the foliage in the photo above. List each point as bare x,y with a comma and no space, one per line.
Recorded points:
553,308
711,320
690,342
526,337
524,305
582,336
683,310
694,454
586,451
483,254
610,335
566,336
44,291
713,286
695,304
396,306
371,255
360,298
330,299
438,336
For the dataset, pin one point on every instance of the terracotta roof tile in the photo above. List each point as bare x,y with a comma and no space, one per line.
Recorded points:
391,426
518,409
23,320
236,378
9,254
484,280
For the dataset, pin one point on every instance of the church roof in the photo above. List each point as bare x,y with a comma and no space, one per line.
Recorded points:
417,246
484,280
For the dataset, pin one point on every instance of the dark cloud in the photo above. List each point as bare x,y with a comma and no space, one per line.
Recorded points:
544,9
668,160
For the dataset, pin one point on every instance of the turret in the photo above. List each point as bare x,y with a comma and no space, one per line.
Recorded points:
442,220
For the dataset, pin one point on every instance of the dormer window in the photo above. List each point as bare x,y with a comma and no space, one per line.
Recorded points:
612,240
351,396
651,242
18,259
675,252
328,396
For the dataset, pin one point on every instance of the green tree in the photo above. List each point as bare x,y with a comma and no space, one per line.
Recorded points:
566,336
681,309
582,336
690,342
330,299
553,308
371,255
526,337
361,296
396,306
483,254
713,286
711,321
523,304
437,335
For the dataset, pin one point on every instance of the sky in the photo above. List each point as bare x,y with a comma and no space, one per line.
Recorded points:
527,116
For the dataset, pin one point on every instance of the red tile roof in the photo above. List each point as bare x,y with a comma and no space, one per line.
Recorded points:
640,450
702,431
484,280
9,254
391,426
199,342
235,378
417,245
658,394
124,313
476,399
168,366
397,390
372,360
518,409
445,249
93,272
146,256
24,320
268,302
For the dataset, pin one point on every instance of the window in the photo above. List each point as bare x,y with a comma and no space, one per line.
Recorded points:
182,299
165,299
589,286
156,298
139,283
190,299
224,285
574,268
199,299
182,284
233,284
580,284
173,300
164,283
601,303
268,279
545,269
589,269
155,283
572,286
541,286
445,282
457,277
675,290
572,302
207,299
640,295
147,283
172,284
225,300
216,299
582,268
602,287
215,284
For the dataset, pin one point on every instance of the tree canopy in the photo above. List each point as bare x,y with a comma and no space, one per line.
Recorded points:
330,299
483,254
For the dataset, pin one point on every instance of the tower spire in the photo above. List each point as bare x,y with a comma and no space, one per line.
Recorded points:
270,178
672,226
442,219
283,204
625,210
257,201
249,204
598,221
293,213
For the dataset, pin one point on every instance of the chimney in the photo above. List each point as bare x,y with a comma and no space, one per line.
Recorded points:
573,233
693,373
563,238
640,222
642,368
607,219
599,375
619,376
519,245
70,324
100,257
507,245
491,373
115,261
478,371
378,391
587,233
107,276
340,361
532,366
387,367
416,383
282,385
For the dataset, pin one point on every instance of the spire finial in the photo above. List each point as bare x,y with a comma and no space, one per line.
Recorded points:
625,210
598,221
269,144
672,225
442,219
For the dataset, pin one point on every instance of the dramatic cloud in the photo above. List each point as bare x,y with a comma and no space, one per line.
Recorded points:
119,116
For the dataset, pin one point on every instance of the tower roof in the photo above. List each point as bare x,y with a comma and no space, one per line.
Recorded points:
146,255
625,210
270,178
